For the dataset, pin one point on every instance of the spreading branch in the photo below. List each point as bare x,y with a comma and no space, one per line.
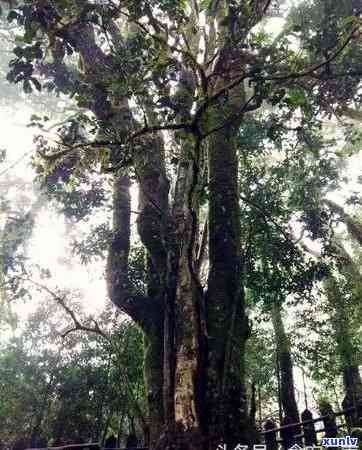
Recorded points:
60,300
353,226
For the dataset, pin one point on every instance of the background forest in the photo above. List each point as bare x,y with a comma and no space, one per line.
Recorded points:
181,219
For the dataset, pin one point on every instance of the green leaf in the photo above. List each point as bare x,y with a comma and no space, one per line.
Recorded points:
13,15
296,97
205,5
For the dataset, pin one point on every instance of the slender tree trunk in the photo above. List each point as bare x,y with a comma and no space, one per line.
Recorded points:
120,428
352,382
260,408
347,351
102,436
354,227
146,311
253,404
285,363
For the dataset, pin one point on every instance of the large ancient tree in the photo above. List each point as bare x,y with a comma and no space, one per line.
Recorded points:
168,84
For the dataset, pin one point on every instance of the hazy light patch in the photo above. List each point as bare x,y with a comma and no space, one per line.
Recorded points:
49,244
48,249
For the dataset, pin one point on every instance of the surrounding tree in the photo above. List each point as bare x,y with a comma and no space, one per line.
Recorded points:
60,388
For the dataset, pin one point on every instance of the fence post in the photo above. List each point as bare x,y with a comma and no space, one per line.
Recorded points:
287,434
20,444
329,421
111,442
271,436
359,413
132,442
310,436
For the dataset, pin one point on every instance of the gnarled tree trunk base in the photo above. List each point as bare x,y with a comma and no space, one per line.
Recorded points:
181,439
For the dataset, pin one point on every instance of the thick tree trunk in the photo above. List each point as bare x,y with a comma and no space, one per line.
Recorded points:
187,348
153,375
195,391
287,389
188,296
227,324
203,395
154,228
201,386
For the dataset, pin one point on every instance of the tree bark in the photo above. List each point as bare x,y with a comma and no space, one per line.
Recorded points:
153,375
287,389
146,311
227,324
347,351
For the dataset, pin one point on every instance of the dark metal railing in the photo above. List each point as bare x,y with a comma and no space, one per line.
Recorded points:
87,446
297,432
300,433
